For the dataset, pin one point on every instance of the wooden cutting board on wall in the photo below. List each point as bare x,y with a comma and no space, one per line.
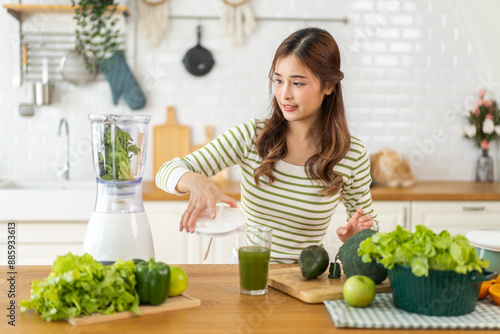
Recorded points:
170,140
290,281
209,135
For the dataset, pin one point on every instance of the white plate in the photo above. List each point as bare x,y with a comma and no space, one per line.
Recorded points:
226,221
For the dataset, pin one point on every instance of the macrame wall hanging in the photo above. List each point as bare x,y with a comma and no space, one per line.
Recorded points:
153,20
237,19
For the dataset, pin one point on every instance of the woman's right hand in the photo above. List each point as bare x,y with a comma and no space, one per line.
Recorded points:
204,196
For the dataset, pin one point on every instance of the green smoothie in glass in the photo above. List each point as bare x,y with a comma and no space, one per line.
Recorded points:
254,252
254,267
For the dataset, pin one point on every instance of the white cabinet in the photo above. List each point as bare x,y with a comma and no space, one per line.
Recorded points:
456,217
172,246
40,242
51,218
389,215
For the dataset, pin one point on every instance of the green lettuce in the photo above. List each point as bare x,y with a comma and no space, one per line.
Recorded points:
115,163
422,250
79,285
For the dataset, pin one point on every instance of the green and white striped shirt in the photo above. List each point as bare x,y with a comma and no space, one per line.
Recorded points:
291,206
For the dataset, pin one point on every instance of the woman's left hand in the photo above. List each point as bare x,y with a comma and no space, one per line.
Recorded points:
357,223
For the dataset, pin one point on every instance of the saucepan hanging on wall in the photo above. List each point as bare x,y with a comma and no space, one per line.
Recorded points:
198,61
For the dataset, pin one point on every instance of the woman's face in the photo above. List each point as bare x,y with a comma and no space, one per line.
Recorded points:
298,91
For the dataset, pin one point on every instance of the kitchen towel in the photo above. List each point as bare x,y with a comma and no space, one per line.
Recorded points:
383,314
122,81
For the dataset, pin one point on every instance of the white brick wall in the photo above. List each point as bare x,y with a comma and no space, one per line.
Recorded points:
409,66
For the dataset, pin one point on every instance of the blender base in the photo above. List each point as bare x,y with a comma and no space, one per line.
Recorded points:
110,236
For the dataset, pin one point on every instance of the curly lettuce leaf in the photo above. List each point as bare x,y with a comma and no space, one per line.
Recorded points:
422,250
79,285
115,156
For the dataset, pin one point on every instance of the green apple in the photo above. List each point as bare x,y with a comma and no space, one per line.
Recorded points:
359,291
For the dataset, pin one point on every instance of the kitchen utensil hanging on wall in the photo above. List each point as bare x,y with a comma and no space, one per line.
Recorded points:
153,19
198,61
43,90
78,68
25,109
237,19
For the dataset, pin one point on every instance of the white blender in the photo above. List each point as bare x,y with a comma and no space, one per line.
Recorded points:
119,226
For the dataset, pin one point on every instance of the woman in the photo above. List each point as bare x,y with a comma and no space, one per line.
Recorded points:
296,164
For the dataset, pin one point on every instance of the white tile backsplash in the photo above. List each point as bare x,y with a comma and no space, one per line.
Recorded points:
409,66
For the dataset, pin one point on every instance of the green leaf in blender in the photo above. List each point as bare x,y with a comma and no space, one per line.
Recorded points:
115,164
79,285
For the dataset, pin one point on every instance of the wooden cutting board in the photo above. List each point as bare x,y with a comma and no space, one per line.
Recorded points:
170,140
290,281
173,303
209,136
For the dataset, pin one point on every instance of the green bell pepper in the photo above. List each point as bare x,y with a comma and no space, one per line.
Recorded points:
153,282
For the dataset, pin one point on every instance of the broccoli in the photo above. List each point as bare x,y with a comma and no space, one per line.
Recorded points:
334,270
352,263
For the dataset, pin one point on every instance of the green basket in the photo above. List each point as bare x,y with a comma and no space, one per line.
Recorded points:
441,293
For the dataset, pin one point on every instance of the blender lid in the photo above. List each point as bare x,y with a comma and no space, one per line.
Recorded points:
226,221
485,238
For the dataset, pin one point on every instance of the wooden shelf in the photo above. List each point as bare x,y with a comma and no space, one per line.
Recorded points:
17,10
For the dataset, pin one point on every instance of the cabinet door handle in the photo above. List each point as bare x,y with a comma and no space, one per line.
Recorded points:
405,217
472,208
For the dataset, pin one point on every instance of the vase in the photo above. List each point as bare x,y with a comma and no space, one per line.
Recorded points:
484,167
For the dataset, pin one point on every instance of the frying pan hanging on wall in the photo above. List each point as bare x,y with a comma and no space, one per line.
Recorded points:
198,61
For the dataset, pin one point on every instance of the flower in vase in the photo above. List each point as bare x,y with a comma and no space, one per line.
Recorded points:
488,126
470,131
485,145
483,121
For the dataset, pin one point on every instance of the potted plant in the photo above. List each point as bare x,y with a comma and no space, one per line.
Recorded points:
96,29
98,34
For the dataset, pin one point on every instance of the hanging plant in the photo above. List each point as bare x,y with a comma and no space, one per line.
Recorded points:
96,29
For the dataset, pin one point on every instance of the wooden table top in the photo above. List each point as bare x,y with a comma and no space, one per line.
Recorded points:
422,191
223,309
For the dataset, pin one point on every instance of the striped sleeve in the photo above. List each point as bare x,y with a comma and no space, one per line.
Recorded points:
356,190
228,149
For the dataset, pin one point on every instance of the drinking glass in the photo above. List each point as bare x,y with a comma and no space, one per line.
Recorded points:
254,251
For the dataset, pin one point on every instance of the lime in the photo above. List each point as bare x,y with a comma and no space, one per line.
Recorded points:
178,281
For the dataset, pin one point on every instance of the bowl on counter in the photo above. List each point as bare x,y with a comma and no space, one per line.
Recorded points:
441,293
487,245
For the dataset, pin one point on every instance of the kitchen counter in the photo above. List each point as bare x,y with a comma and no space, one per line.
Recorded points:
422,191
223,309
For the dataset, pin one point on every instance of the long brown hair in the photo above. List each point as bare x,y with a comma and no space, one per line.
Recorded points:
317,50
